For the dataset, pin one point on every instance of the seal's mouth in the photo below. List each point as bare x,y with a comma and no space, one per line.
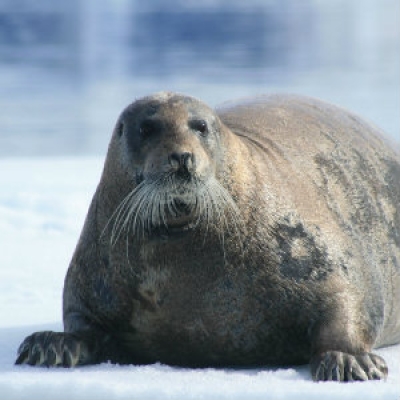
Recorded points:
180,209
165,207
173,231
180,218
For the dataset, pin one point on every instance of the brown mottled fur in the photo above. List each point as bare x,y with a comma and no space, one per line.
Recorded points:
307,269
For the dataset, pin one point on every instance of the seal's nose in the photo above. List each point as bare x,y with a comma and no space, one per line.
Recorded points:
180,160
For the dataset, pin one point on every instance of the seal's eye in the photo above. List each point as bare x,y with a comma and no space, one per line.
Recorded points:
199,125
148,127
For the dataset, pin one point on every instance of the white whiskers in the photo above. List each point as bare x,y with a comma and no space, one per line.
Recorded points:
152,203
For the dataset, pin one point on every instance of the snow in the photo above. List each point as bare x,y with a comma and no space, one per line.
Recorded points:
43,203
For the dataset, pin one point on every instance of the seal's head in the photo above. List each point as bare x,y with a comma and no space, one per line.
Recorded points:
169,148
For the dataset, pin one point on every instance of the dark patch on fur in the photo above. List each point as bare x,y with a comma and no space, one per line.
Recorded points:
360,183
300,256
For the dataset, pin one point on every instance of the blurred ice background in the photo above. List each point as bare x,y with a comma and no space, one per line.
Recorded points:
67,68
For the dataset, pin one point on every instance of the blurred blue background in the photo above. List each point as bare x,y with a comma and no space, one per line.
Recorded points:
67,68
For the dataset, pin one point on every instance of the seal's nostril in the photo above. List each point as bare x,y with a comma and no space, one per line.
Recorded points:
181,159
187,160
175,160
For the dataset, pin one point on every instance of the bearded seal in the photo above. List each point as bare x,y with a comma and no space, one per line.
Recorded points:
263,233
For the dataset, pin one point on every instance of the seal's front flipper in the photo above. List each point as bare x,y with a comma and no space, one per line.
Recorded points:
342,343
59,349
344,367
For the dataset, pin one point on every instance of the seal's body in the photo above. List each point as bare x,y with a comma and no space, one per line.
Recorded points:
266,233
